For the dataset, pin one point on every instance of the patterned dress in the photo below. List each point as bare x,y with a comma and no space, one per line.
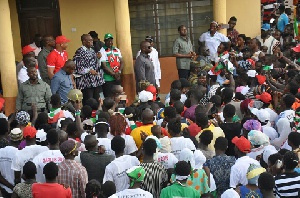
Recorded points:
155,176
220,167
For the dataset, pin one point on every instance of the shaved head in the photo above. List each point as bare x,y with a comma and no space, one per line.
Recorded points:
90,142
147,116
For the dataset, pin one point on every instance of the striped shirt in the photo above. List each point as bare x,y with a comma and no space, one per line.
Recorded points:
155,176
287,185
73,174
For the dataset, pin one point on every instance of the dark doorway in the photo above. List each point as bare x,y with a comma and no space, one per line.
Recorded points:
38,17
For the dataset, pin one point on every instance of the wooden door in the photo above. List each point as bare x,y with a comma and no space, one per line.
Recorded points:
38,17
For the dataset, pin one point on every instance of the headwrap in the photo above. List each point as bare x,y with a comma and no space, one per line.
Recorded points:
252,125
23,117
200,159
257,138
230,193
136,174
165,145
188,156
253,173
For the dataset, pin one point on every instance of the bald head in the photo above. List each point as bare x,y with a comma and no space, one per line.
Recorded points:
90,142
147,116
62,136
69,67
145,47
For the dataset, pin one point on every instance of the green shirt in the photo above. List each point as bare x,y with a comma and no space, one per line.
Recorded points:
182,46
39,94
179,190
112,59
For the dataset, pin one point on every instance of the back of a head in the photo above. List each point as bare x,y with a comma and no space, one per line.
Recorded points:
227,94
92,102
266,182
66,122
216,99
274,158
174,126
93,188
86,111
221,144
52,136
294,138
101,127
50,171
55,100
118,144
289,100
182,168
29,170
293,87
175,94
233,18
3,126
147,115
149,146
117,124
90,142
27,61
229,111
207,195
176,84
104,115
184,83
206,137
290,160
108,103
179,106
170,112
71,129
42,119
196,94
201,120
108,188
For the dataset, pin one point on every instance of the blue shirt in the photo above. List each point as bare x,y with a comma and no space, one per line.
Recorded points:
283,20
61,84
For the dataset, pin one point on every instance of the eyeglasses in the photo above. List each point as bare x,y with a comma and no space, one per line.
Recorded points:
149,47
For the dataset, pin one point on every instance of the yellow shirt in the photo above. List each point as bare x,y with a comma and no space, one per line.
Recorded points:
136,134
217,132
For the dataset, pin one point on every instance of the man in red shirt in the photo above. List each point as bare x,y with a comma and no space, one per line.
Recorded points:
57,57
51,188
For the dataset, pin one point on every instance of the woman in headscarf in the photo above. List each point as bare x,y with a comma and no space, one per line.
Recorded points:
251,125
251,189
283,129
258,142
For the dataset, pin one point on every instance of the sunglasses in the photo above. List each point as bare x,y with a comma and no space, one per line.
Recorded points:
149,47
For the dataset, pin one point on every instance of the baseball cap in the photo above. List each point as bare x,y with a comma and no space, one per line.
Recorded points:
29,132
75,94
88,122
41,135
296,49
264,97
61,39
136,174
242,144
263,115
67,147
16,135
145,96
150,38
152,89
27,49
108,36
266,27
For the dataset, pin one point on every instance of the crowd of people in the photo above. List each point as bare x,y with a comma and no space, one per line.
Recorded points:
230,126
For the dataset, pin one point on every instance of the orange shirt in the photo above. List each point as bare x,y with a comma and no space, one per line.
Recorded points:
50,190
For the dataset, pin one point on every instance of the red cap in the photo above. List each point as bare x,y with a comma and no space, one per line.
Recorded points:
194,129
261,79
61,39
27,49
242,144
152,89
29,132
264,97
296,49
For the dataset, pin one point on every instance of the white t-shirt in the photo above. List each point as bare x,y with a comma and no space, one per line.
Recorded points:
6,157
130,146
213,42
168,160
25,155
238,173
44,158
179,143
136,193
107,144
116,171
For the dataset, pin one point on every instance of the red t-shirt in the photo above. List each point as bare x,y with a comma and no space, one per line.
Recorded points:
57,59
50,190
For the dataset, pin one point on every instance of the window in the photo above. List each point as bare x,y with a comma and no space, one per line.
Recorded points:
161,18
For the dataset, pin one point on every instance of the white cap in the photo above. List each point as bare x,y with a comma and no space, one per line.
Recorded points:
145,96
263,115
41,135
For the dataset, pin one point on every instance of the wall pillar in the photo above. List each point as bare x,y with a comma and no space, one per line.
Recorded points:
124,44
219,12
7,57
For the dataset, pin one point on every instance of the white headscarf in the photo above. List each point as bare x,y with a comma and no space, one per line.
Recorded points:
188,156
230,193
